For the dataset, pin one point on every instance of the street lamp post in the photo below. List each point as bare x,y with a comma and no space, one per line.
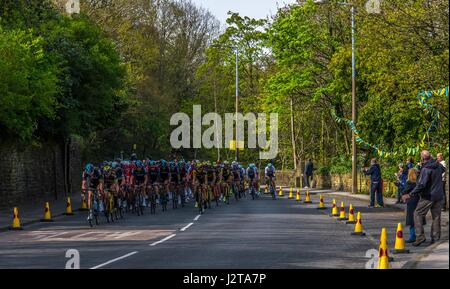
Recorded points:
354,113
237,98
236,51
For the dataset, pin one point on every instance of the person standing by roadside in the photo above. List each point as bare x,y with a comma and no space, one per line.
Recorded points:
375,183
430,190
440,159
410,164
411,204
402,176
309,170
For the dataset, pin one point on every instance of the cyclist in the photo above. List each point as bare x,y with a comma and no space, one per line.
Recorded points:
152,181
227,181
210,181
253,177
236,176
199,179
174,182
111,188
270,176
183,171
242,176
139,181
164,172
92,181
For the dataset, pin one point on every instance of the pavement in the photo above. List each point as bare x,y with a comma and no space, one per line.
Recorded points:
246,234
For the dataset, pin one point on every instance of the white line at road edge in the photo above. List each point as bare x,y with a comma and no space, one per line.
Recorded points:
163,240
196,218
185,228
114,260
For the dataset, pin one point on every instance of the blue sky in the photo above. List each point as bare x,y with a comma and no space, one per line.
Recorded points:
251,8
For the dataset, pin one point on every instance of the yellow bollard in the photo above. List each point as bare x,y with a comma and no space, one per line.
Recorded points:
383,254
321,204
351,215
342,216
399,247
358,226
297,196
291,196
68,208
47,214
307,198
16,225
334,210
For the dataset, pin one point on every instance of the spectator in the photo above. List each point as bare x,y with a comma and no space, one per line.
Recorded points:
430,190
309,170
402,176
411,204
410,164
375,183
440,159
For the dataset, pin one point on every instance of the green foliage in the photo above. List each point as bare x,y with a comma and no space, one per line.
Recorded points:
28,83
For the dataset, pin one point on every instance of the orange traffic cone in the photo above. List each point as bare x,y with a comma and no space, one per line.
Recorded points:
68,208
307,198
83,203
321,204
351,215
342,216
297,197
383,254
47,214
399,247
358,226
16,225
334,210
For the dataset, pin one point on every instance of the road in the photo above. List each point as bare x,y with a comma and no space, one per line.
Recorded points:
261,234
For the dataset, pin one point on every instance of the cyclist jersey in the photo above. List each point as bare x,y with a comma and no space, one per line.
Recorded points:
164,173
270,171
199,175
127,170
110,177
251,173
226,173
139,175
174,174
242,173
210,174
236,173
153,173
119,172
93,179
183,172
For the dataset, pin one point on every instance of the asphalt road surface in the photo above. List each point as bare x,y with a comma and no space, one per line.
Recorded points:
262,234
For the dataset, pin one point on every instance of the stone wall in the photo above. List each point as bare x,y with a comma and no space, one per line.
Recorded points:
35,173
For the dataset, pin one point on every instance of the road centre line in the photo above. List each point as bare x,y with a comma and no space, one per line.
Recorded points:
196,218
163,240
114,260
185,228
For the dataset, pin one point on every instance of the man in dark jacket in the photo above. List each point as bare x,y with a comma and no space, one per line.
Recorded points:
429,189
375,183
309,170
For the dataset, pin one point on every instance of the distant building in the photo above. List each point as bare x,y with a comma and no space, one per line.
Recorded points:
68,6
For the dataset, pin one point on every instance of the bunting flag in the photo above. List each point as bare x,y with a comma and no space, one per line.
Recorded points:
422,99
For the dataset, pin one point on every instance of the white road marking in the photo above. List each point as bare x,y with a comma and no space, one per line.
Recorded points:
196,218
185,228
53,236
114,260
163,240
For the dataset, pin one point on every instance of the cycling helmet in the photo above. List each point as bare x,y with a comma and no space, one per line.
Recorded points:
89,168
114,165
152,163
139,164
133,157
163,163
